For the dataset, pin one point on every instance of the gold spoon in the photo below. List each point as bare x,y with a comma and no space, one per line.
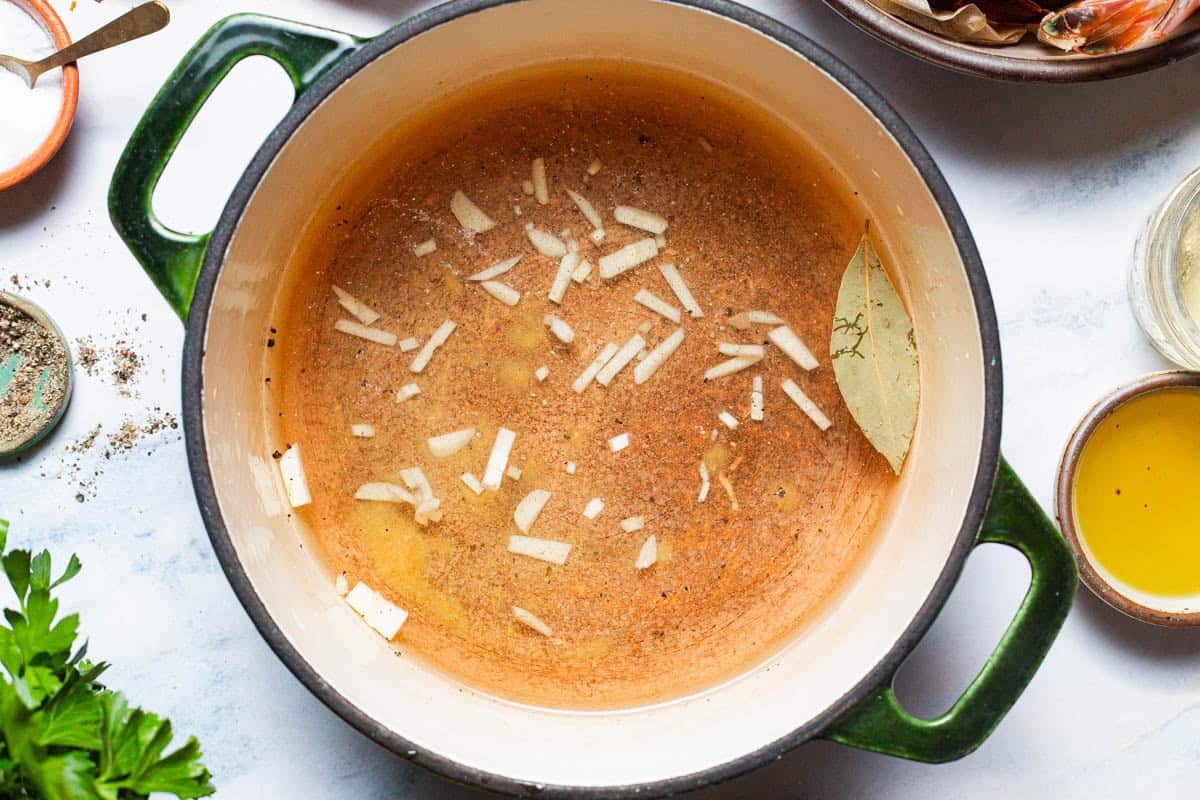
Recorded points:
145,19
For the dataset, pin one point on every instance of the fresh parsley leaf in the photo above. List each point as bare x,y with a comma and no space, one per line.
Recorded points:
63,736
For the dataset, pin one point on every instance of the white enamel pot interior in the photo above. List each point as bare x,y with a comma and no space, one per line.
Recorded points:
861,637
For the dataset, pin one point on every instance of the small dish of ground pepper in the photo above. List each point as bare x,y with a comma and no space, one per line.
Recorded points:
35,375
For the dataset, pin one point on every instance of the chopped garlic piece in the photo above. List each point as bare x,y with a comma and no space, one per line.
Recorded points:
502,292
561,330
729,419
414,478
787,341
526,618
407,391
495,270
587,209
656,304
657,357
627,257
378,612
362,430
645,327
541,373
756,399
546,243
763,318
622,357
703,482
661,241
541,191
648,554
541,549
361,598
355,307
754,351
437,340
594,167
675,281
527,187
493,474
618,442
745,319
562,278
425,248
363,332
806,405
408,345
472,482
729,367
384,493
582,272
513,472
341,585
639,218
593,508
597,236
427,511
571,468
631,524
589,374
469,215
528,509
295,482
450,443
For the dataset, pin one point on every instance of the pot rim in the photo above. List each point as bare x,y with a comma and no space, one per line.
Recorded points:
202,480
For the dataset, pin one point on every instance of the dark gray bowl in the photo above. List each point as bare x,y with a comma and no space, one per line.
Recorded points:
1029,61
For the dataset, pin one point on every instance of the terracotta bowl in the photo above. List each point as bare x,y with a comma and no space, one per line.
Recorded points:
1028,61
41,11
1173,612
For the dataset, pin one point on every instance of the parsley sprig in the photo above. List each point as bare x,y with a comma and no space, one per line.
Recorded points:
63,736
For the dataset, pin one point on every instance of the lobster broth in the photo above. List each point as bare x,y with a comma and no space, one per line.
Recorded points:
755,222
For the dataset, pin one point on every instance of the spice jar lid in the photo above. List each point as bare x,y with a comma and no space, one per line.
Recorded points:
36,375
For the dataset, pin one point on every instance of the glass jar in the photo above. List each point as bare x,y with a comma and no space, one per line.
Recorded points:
1157,279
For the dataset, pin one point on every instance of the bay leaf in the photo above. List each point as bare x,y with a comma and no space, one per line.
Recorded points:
874,356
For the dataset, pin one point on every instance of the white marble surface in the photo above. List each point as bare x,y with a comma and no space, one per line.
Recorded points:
1055,183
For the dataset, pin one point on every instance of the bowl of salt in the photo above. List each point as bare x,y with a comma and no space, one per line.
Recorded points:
33,122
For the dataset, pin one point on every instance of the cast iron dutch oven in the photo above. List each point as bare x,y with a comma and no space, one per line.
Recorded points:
834,680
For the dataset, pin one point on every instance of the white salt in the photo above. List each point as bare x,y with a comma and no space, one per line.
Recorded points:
27,116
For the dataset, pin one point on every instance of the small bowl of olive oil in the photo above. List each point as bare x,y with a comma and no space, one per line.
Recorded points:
1128,498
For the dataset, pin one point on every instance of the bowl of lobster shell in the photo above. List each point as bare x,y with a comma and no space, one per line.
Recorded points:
1054,41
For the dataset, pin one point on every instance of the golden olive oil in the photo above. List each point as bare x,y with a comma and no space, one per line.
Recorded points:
1137,492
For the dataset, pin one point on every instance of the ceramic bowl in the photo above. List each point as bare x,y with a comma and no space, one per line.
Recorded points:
1028,61
29,438
1157,610
42,11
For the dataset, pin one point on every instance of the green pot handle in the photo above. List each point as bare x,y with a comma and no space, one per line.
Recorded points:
172,259
879,722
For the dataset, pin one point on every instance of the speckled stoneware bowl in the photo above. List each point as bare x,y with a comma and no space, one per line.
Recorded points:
834,679
29,437
1027,61
1173,612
